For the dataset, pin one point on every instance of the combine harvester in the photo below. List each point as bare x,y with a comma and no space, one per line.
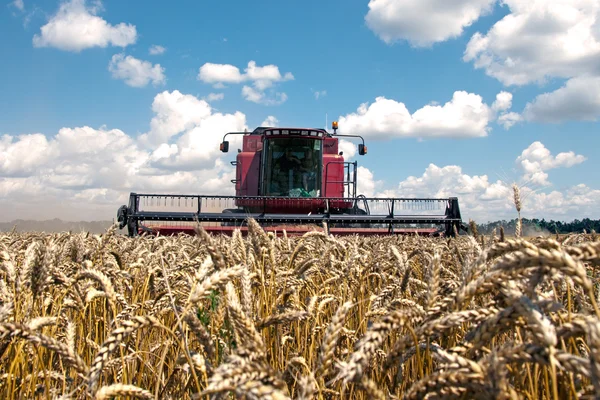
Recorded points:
292,179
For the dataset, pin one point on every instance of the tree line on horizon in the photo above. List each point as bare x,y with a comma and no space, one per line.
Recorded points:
535,226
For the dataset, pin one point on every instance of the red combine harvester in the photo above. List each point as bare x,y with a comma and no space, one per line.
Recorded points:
291,179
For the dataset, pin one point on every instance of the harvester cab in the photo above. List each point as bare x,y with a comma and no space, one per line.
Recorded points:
294,179
292,163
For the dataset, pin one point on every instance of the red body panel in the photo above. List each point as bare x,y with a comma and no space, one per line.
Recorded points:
291,205
247,173
333,176
248,179
252,143
330,145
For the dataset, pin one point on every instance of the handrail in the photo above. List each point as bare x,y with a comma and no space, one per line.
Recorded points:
345,183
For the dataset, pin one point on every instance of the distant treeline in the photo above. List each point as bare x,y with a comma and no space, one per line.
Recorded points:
536,226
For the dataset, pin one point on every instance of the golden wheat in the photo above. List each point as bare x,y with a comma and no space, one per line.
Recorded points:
311,317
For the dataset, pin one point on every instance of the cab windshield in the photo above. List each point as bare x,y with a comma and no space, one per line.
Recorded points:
292,167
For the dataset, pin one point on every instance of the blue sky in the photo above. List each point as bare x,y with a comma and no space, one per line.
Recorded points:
88,117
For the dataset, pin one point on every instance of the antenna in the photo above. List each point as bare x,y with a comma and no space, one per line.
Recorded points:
325,121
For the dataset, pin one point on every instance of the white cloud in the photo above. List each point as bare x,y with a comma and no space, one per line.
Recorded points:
507,120
466,115
220,73
366,183
262,78
187,132
87,171
320,93
136,73
423,23
501,105
503,101
175,112
156,50
74,159
215,96
19,4
90,172
478,197
578,99
24,154
538,40
256,96
76,27
442,182
252,94
198,148
483,200
348,148
536,159
270,121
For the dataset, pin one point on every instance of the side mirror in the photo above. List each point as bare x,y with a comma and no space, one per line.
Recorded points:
224,147
362,149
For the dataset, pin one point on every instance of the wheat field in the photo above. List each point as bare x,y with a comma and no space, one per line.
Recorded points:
312,317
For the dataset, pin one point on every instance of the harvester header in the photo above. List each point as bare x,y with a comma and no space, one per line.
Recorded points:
294,179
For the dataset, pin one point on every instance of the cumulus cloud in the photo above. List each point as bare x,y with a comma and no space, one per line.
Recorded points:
198,148
503,101
537,159
23,154
74,162
466,115
136,73
215,96
261,78
366,183
507,120
478,197
256,96
156,50
578,99
485,200
93,170
265,77
220,73
270,121
539,40
423,23
174,112
348,148
76,27
185,132
442,182
501,107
